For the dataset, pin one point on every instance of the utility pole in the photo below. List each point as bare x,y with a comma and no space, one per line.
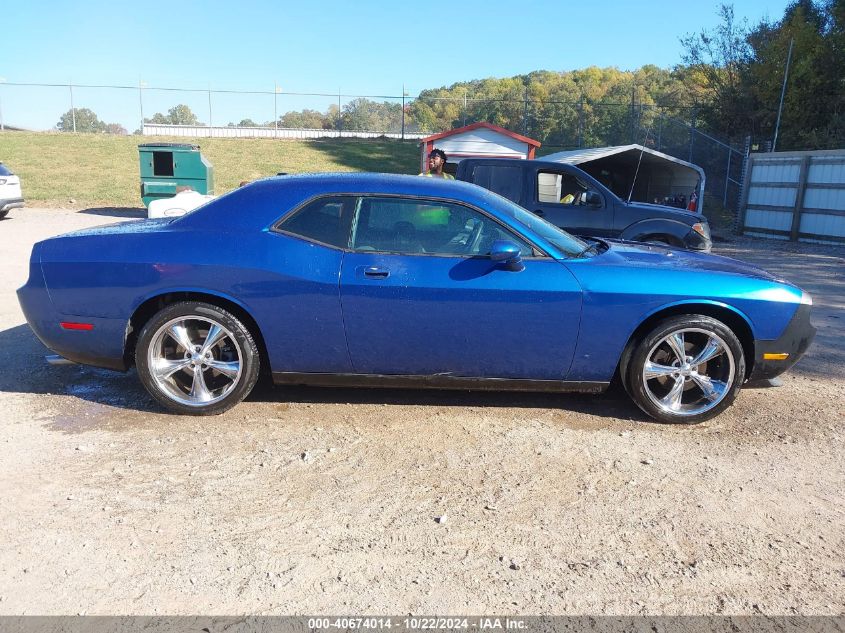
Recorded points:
633,133
209,105
783,93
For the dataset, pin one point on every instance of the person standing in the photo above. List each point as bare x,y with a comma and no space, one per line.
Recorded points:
436,163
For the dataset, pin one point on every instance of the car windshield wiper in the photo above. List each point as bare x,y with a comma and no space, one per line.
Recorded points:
591,247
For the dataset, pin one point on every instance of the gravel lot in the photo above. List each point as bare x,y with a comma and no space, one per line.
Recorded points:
325,501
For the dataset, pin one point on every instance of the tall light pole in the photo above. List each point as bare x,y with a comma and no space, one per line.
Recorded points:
782,93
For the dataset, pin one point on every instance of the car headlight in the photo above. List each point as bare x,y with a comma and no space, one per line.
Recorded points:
806,298
702,229
2,181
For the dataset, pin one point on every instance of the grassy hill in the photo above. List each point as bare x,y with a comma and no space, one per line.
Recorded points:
101,170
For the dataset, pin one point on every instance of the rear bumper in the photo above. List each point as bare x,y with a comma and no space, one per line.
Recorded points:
794,341
101,346
11,203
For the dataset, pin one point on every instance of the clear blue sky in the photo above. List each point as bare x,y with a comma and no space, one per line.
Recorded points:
362,48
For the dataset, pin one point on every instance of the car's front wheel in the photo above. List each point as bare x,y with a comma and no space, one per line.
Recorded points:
686,370
196,358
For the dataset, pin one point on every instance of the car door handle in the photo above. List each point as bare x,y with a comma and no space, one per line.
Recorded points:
376,273
540,213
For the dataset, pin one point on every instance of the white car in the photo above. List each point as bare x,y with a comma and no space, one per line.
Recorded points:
180,204
10,191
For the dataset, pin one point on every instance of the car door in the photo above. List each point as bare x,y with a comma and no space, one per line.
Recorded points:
561,198
420,296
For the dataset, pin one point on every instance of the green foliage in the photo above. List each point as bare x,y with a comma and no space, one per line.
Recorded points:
366,115
177,115
736,72
86,121
306,119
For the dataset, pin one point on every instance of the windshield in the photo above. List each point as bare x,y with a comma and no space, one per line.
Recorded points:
4,171
568,244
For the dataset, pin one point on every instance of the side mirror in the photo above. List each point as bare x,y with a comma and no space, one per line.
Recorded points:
507,253
592,199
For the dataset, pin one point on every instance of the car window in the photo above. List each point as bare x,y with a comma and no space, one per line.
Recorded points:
560,188
414,226
325,220
568,244
4,171
506,180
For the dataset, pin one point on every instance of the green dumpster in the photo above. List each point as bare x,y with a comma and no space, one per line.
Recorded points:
166,166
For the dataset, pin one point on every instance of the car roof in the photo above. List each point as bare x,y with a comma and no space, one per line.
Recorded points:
269,198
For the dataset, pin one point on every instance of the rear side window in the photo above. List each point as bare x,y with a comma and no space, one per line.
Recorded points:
506,180
4,171
326,220
560,188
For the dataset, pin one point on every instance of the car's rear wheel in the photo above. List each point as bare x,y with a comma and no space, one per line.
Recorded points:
196,359
686,370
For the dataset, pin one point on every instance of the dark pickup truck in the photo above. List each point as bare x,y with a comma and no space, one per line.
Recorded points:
573,200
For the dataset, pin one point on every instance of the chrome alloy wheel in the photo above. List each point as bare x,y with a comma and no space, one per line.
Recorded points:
195,361
688,372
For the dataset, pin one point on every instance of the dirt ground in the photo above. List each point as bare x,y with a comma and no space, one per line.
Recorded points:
325,501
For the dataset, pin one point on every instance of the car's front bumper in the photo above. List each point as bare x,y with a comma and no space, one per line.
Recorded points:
794,341
10,203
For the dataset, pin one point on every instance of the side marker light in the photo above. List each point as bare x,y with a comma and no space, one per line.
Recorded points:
775,356
67,325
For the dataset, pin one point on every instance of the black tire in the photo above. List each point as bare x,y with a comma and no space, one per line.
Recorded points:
691,392
3,214
214,375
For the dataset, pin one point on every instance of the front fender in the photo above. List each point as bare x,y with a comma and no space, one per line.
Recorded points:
656,226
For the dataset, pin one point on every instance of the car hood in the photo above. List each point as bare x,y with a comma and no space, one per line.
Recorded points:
653,256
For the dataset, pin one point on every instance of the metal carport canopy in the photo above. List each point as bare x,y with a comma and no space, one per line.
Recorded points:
683,175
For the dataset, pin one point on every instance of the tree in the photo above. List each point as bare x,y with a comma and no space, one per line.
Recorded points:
815,82
86,121
177,115
305,119
717,73
114,128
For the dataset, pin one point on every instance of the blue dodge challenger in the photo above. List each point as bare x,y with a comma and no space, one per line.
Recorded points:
385,280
